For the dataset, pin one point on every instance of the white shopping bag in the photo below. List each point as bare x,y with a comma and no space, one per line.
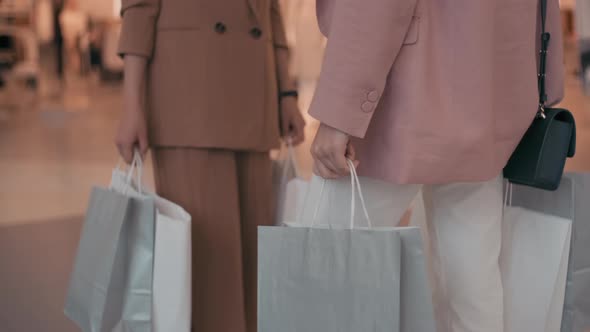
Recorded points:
381,198
290,186
534,258
576,314
172,260
111,282
172,268
325,273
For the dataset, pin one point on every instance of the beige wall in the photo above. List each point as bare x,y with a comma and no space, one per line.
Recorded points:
305,39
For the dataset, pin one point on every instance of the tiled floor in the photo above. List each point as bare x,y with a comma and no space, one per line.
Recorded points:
35,260
54,150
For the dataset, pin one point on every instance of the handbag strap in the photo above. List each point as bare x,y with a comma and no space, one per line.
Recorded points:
545,37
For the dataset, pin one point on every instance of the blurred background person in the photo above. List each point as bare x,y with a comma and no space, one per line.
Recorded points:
74,26
58,38
207,88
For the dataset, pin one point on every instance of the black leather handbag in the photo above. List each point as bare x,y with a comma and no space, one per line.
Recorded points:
539,159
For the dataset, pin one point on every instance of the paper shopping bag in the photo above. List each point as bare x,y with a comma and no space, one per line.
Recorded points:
289,186
570,203
417,309
172,268
293,199
382,199
328,280
302,267
534,260
576,315
171,288
111,283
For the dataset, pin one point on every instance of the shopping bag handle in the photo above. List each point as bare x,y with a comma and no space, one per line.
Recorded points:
135,168
291,161
361,196
355,186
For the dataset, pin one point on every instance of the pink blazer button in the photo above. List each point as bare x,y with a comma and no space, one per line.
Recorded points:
368,107
373,96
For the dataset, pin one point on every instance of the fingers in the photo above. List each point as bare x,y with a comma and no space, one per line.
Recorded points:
337,163
292,122
298,131
330,163
292,127
143,145
285,124
329,151
126,151
350,151
127,144
351,154
321,170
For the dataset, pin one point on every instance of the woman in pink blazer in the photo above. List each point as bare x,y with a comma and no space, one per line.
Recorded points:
435,95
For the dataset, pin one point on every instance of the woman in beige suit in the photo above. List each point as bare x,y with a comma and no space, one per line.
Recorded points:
207,88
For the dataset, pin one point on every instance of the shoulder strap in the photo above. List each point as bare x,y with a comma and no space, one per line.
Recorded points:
545,37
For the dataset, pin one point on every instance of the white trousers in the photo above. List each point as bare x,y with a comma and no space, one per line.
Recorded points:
462,226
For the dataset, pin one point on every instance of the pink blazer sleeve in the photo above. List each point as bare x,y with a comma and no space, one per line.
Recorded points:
364,38
139,27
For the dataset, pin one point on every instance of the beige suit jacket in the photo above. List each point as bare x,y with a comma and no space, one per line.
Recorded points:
213,76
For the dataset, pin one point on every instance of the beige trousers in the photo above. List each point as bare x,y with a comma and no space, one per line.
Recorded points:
228,194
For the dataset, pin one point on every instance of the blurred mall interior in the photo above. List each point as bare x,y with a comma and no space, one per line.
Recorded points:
57,133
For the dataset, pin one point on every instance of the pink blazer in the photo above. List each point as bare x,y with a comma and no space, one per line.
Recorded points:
435,91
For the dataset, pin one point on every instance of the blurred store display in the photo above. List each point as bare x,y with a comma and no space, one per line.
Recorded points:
19,53
16,8
19,41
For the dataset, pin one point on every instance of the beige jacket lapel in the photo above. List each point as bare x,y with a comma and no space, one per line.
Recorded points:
254,7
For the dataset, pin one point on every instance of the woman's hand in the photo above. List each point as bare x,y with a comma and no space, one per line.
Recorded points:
292,122
132,133
330,150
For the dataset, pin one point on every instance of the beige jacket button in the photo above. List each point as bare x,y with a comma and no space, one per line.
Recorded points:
220,28
368,107
256,33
